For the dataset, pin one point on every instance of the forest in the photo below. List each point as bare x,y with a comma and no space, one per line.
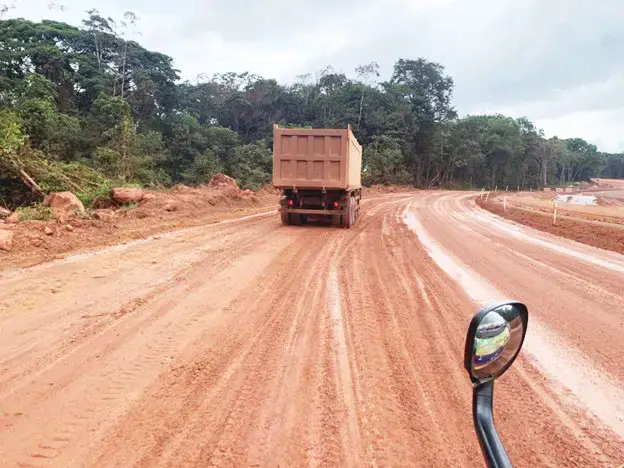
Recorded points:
86,107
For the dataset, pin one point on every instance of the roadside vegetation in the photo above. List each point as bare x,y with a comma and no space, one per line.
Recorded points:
85,107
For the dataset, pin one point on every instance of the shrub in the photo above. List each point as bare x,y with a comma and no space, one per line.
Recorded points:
96,194
35,213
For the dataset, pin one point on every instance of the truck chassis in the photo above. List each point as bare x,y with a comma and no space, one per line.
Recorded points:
341,206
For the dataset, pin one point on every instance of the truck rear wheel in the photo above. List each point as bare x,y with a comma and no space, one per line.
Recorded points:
358,207
285,219
349,215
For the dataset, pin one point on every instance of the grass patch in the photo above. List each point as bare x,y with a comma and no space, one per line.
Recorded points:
35,213
129,206
96,194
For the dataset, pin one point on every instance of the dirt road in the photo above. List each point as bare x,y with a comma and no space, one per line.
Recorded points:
249,343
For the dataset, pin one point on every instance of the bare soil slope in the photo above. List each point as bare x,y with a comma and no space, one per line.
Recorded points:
600,225
159,212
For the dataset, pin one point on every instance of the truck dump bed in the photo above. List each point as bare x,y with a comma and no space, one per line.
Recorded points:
316,159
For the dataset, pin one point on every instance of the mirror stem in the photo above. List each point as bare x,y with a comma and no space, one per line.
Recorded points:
483,415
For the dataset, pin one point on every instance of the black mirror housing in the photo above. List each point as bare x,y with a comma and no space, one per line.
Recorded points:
495,337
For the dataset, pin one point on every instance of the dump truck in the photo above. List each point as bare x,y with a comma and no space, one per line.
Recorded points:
319,173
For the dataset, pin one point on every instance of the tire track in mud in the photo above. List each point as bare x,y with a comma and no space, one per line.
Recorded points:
401,418
95,311
249,376
112,380
151,339
350,434
514,267
291,346
533,392
312,383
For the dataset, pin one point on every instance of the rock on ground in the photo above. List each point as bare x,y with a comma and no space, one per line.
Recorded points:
104,215
64,204
6,240
220,180
4,213
126,195
171,205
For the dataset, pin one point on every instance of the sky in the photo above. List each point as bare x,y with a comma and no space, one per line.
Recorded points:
558,62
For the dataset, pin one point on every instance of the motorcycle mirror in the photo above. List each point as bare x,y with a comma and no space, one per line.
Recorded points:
494,339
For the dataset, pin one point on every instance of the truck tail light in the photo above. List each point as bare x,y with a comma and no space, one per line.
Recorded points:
336,204
290,203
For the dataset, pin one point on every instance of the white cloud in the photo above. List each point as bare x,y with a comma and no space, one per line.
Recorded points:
593,111
602,128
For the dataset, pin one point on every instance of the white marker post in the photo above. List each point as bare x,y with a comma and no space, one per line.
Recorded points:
555,212
505,204
487,195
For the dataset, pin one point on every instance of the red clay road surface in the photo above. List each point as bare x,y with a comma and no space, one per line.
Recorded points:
249,343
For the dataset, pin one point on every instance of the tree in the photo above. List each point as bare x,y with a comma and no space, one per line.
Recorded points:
384,162
128,25
99,27
203,167
422,96
251,165
5,8
614,166
365,73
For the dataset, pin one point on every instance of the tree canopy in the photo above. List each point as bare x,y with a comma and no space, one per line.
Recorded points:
80,105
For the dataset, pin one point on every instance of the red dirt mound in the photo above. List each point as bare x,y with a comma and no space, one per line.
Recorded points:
220,180
598,235
157,212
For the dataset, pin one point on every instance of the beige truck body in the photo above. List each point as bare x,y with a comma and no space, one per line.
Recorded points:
316,159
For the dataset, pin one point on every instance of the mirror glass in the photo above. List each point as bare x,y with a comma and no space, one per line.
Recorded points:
497,340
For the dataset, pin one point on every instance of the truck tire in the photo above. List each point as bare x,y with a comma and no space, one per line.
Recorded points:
285,219
349,215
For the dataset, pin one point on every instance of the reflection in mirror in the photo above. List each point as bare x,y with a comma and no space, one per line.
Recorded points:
497,340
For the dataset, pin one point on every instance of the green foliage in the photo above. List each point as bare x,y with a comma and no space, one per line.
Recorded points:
11,137
251,165
95,193
151,157
106,160
35,213
130,206
203,168
50,131
104,118
384,162
614,166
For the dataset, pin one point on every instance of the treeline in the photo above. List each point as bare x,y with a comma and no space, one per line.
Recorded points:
84,107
